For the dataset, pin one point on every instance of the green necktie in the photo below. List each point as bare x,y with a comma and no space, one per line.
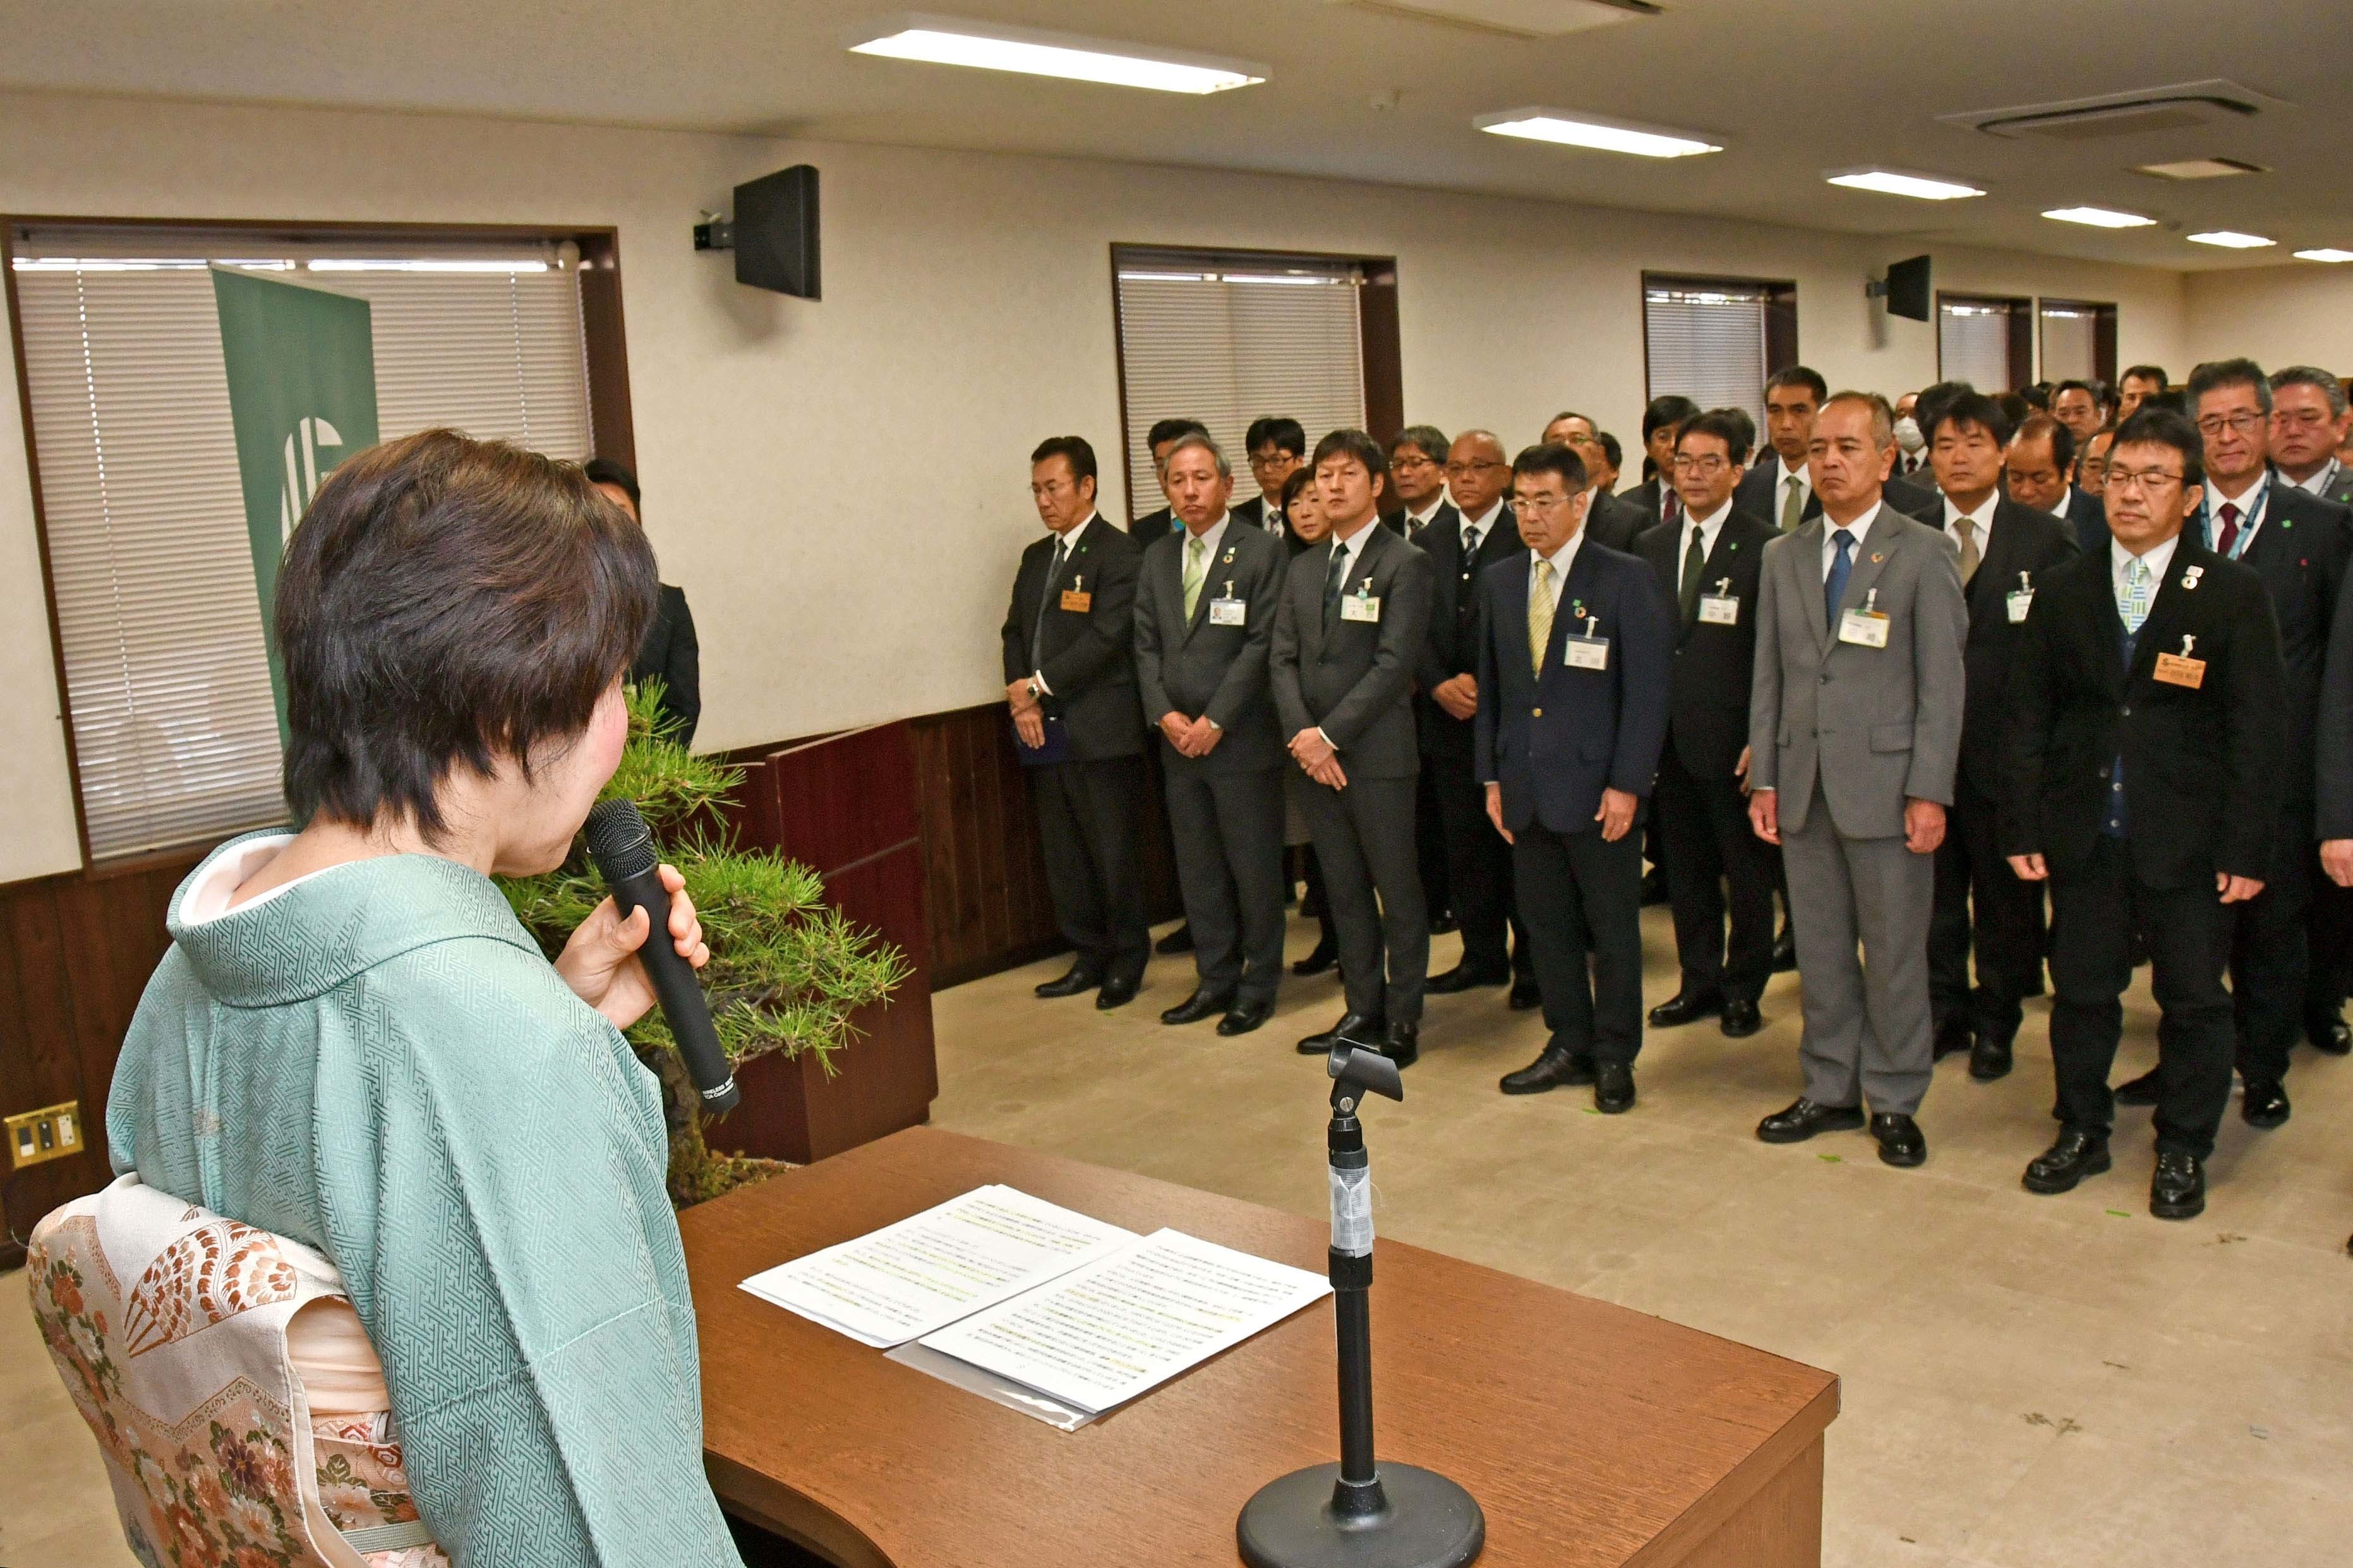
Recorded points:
1793,509
1196,548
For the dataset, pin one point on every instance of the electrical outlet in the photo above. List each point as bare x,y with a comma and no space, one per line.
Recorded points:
52,1133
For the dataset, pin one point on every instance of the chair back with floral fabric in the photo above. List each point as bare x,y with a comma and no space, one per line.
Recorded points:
168,1325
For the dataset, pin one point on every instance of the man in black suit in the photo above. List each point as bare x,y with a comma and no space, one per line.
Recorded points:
2081,406
1655,497
2143,760
2037,472
1154,526
670,653
1070,685
1610,522
1573,674
1349,628
2136,386
2297,545
1278,448
1418,469
1780,487
1478,861
1205,613
2005,550
1707,563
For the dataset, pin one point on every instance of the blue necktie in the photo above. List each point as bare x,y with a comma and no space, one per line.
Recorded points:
1834,585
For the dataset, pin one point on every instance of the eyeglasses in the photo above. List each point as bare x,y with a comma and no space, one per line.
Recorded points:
1464,470
2152,479
2241,423
1542,503
1700,468
1398,465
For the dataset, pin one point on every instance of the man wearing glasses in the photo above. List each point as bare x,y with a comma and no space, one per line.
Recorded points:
1612,521
1277,448
2142,779
2297,545
1418,464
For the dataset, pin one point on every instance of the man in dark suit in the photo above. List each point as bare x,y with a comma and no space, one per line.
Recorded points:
2297,545
1478,861
670,653
2036,471
1204,620
1573,672
1277,447
2143,761
1349,628
1164,433
1611,522
1655,497
2005,550
1780,487
1707,563
1070,685
1418,469
2136,386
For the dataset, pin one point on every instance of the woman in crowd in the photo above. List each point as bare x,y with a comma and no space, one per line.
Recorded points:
1305,527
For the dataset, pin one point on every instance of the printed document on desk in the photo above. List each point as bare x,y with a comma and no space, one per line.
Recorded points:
903,1281
1105,1332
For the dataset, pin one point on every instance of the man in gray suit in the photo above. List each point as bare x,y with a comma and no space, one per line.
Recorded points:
1854,731
1350,625
1205,606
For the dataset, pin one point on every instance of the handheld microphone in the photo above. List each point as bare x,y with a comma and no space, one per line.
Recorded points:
623,848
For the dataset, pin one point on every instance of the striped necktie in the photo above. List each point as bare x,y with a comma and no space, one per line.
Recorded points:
1540,606
2137,593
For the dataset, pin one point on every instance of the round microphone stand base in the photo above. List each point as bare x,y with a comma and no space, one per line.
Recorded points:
1419,1519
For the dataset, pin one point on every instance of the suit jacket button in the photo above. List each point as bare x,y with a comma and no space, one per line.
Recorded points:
1535,713
2125,710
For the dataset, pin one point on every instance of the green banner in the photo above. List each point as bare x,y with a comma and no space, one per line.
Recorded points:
301,396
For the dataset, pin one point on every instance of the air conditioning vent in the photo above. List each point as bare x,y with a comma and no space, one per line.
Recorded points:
1514,18
2201,168
2183,106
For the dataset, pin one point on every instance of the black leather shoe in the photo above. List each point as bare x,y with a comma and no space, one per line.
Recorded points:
1246,1017
2178,1190
2145,1089
1196,1007
1083,976
1990,1057
1803,1119
1685,1008
1741,1019
1466,977
1118,991
1785,952
1613,1087
1558,1065
2329,1032
1953,1036
2266,1104
1901,1141
1325,956
1178,941
1441,921
1354,1027
2077,1155
1401,1043
1526,994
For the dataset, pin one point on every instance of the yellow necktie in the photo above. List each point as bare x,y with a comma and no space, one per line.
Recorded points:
1193,573
1540,617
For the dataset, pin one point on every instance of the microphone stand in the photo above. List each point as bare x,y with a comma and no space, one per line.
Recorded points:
1358,1514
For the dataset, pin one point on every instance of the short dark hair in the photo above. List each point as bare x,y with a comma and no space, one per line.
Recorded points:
2154,373
1428,439
1674,408
448,601
1287,434
1612,450
2220,373
2090,389
2017,406
1570,414
2164,427
1975,408
1729,425
1075,450
1800,375
1552,458
606,471
2047,427
2037,394
2312,375
1932,400
1164,431
1299,479
1748,423
1358,445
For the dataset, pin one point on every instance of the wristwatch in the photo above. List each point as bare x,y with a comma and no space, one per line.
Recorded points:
1034,693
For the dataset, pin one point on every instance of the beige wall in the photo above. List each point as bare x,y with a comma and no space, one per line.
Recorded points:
839,486
2301,314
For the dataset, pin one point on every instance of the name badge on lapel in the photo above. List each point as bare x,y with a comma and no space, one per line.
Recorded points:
1361,605
1865,627
1589,651
2180,668
1720,608
2020,599
1228,611
1075,598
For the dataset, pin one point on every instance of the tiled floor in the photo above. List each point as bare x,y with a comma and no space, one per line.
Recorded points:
2028,1382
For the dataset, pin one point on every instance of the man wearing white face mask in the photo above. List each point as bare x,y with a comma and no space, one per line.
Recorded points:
1911,444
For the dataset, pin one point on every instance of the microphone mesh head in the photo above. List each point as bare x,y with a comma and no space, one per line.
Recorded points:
620,841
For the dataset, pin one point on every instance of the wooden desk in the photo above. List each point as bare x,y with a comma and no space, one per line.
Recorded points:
1591,1435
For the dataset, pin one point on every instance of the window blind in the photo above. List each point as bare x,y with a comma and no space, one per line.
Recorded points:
175,735
1973,344
1707,344
2070,343
1227,339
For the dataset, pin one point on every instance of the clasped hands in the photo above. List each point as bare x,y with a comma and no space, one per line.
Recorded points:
1318,758
1191,737
1029,719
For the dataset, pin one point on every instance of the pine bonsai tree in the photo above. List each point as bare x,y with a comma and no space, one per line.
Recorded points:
786,970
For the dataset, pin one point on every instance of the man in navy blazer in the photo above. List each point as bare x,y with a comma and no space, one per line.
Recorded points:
1574,648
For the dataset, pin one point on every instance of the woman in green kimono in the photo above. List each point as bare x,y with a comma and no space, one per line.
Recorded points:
351,1041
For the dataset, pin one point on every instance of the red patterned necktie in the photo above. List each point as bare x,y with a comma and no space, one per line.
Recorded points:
2224,541
1674,514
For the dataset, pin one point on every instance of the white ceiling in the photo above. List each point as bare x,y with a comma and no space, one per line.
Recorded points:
1792,88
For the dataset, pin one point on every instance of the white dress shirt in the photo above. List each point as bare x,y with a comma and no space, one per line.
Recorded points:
1980,520
1211,536
1782,474
2120,560
1482,526
1709,527
1859,528
2322,478
1561,560
2250,514
1414,520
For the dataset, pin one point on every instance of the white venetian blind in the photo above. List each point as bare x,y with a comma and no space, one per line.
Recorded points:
1973,344
2069,342
1707,343
1228,339
175,736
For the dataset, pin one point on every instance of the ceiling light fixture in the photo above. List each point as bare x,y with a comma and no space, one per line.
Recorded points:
1897,182
1568,129
2099,218
2326,253
951,41
2230,239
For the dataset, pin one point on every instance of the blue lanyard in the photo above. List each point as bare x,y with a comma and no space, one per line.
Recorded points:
2248,522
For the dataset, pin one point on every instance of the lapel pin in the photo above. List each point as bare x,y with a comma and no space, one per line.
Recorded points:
1877,556
2190,575
1230,556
